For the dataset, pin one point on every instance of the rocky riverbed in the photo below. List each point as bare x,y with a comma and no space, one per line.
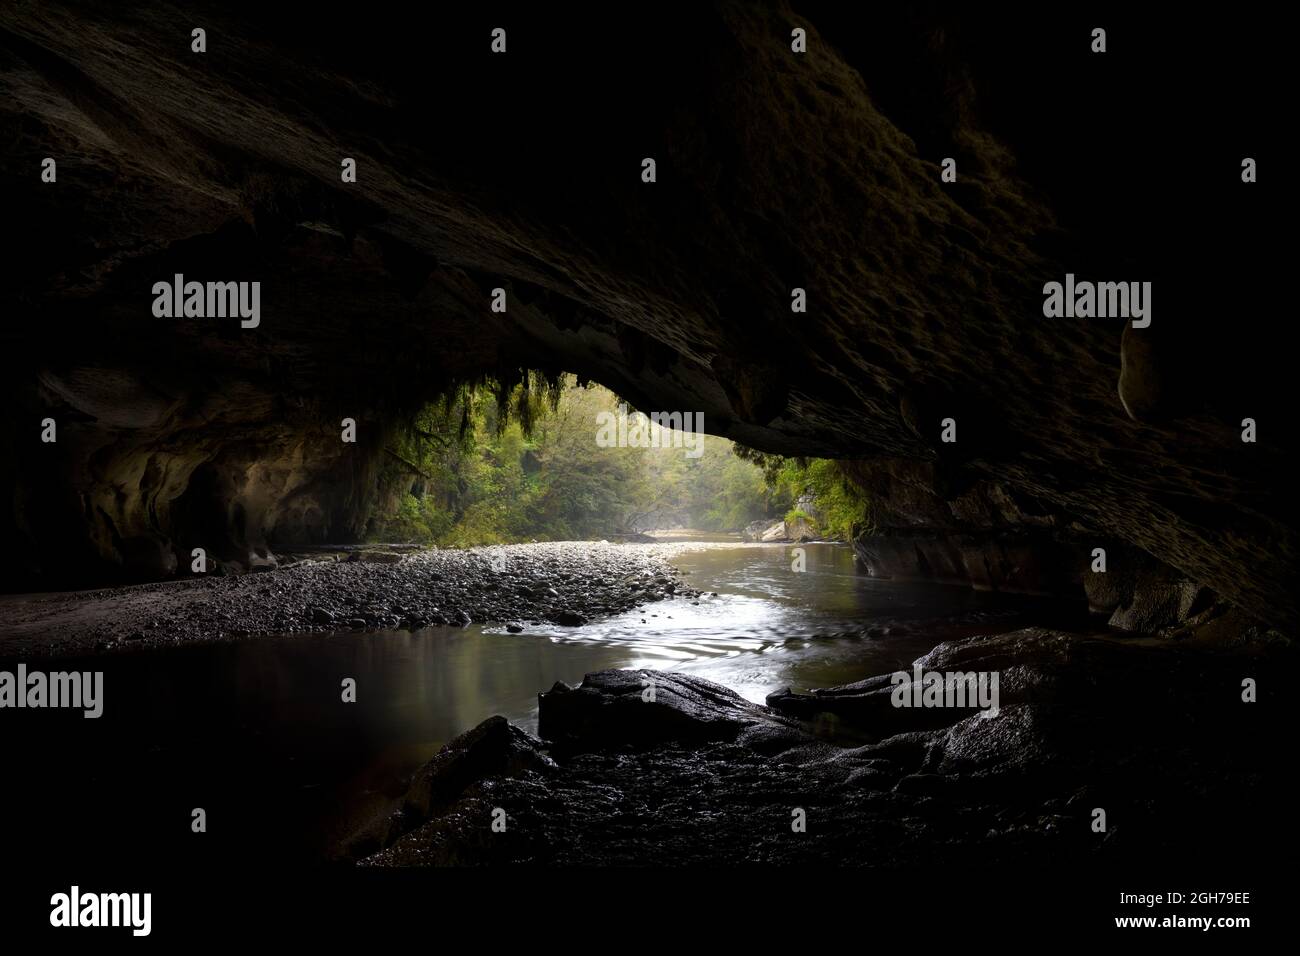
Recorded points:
565,583
1158,738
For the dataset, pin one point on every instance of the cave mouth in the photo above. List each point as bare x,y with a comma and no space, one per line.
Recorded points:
206,515
942,567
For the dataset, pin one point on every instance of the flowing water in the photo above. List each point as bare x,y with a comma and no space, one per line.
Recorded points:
256,733
768,627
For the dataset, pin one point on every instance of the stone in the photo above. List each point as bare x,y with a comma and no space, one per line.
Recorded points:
494,747
613,707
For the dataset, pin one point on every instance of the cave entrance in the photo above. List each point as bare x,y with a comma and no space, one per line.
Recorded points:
559,459
209,515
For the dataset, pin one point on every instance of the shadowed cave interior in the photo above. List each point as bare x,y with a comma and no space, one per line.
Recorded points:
775,171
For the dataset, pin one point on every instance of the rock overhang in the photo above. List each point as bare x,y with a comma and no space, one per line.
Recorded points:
821,173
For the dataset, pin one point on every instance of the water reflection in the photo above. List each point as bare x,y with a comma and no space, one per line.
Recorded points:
769,626
257,731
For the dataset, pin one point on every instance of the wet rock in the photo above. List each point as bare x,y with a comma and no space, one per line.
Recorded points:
867,704
493,748
644,707
1032,664
655,766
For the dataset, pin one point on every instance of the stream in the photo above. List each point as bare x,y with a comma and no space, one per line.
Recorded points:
256,734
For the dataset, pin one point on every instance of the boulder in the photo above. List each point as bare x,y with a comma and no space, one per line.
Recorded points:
493,748
641,708
801,529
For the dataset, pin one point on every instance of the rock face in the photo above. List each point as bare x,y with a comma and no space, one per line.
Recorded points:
784,532
801,529
981,535
775,170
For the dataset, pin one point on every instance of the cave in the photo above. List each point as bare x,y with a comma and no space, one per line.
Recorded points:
240,267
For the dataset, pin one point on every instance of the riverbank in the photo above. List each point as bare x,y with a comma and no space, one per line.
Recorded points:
703,772
565,583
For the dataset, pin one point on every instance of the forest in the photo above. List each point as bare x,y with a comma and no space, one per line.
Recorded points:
493,465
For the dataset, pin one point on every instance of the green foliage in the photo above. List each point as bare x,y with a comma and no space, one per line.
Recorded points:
494,462
842,509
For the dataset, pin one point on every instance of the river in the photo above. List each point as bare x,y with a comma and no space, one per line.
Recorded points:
256,733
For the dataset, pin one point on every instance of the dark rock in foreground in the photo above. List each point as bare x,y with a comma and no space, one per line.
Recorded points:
646,708
1159,738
